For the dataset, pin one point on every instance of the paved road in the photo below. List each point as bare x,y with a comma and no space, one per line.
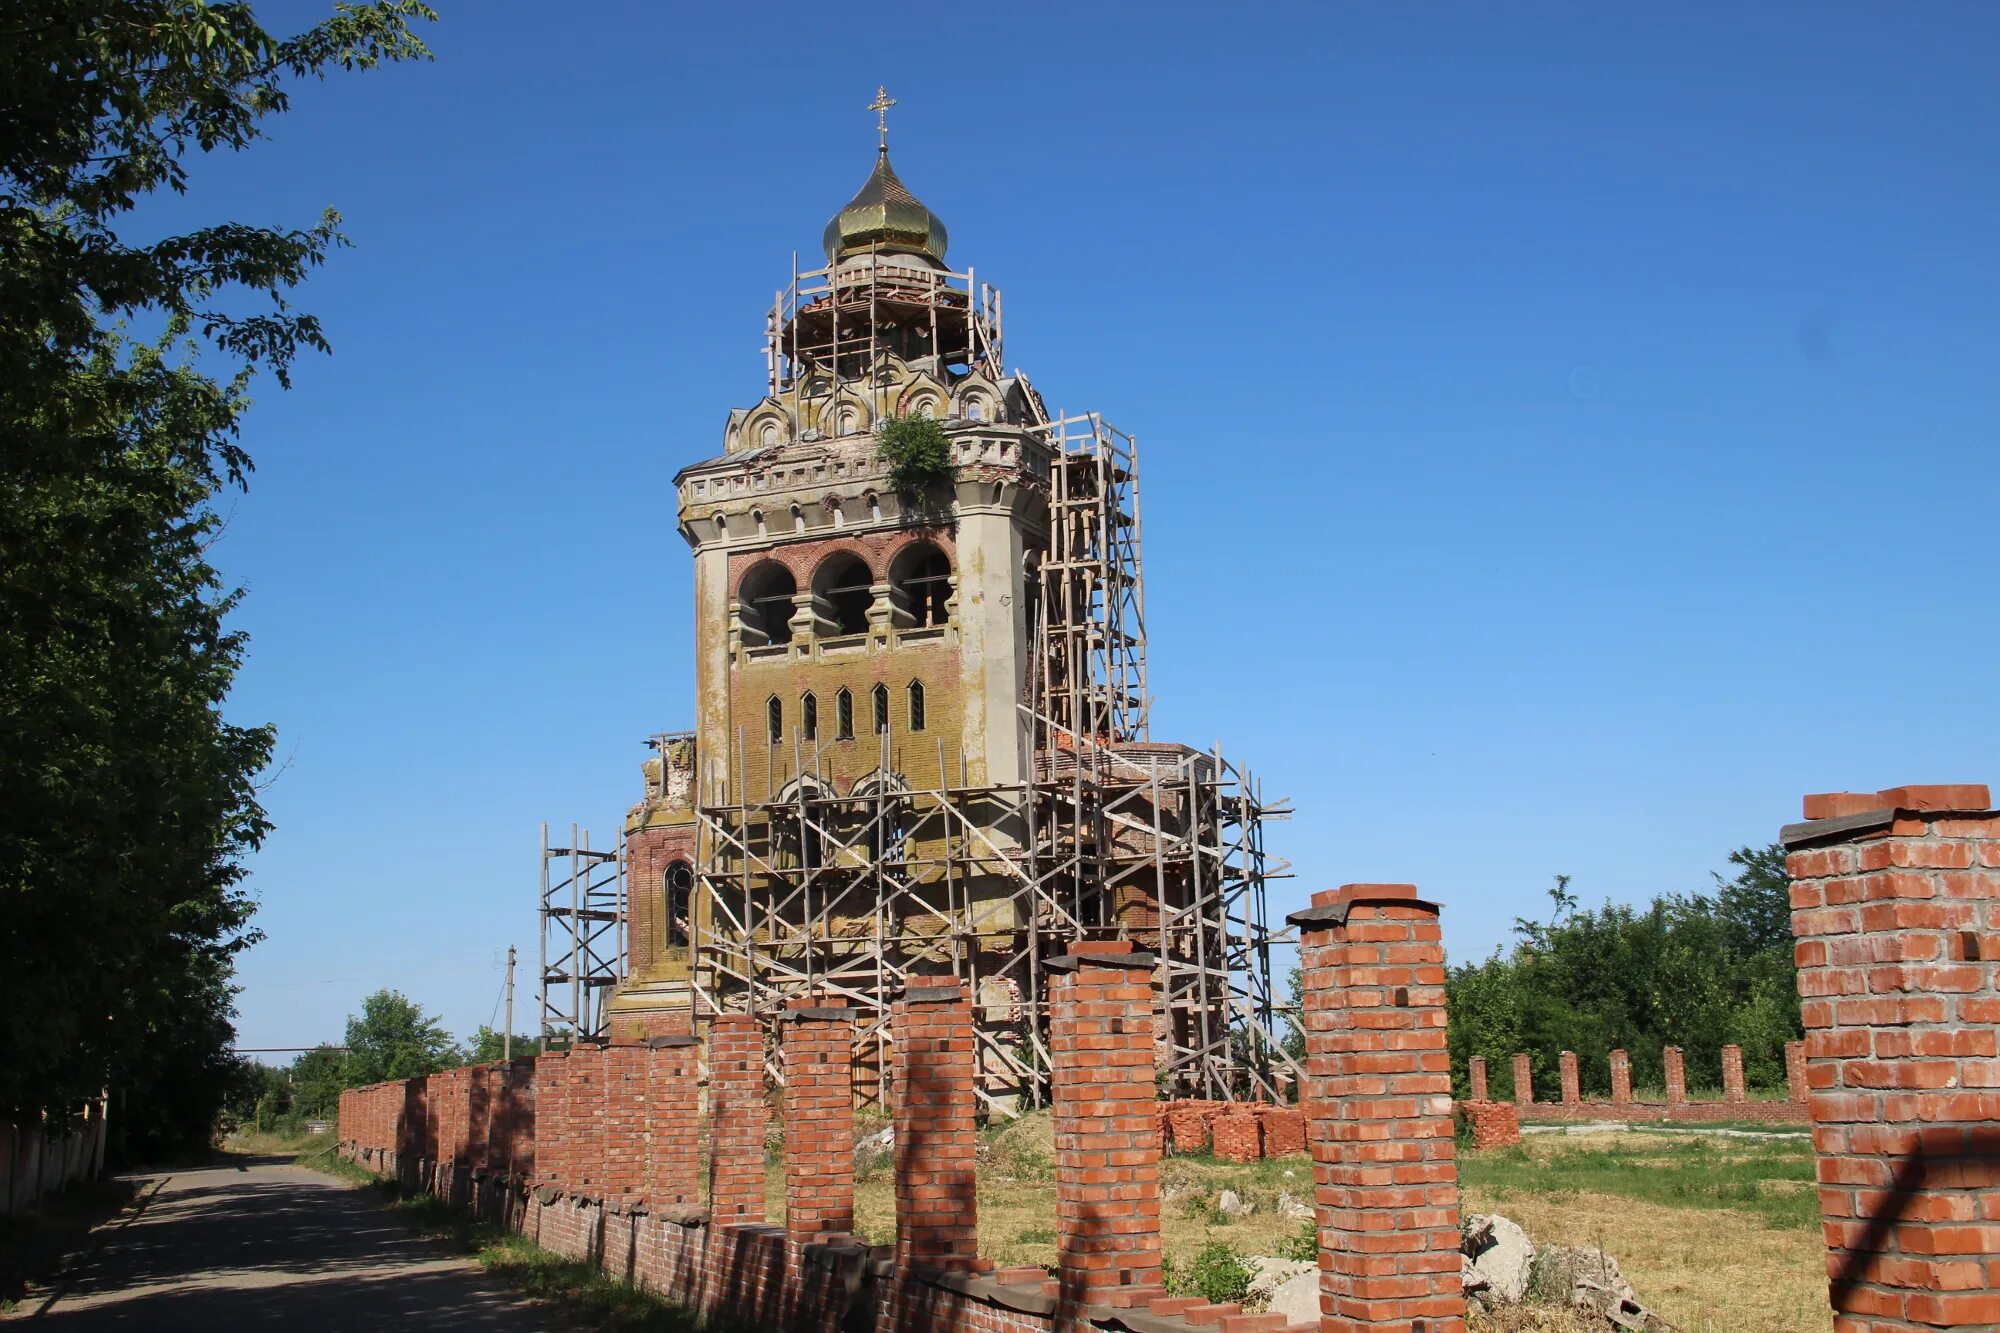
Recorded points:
255,1242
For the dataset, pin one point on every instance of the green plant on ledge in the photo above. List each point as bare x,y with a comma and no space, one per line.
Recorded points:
917,452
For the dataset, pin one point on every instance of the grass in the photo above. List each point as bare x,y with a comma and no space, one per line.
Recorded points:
1718,1235
1771,1180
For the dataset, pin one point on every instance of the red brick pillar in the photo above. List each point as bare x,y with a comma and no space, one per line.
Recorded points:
1524,1081
1677,1079
586,1121
1621,1078
1795,1071
1896,909
937,1209
738,1117
523,1123
819,1122
1475,1075
673,1103
623,1120
555,1147
479,1117
1107,1147
1572,1089
1378,1088
1732,1075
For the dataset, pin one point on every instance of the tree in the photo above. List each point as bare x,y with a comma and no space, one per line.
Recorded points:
130,800
393,1038
488,1045
1696,971
318,1077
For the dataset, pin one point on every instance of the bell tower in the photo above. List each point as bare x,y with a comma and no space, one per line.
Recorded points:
920,747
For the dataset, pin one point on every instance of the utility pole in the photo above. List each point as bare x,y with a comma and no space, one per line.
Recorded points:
507,1033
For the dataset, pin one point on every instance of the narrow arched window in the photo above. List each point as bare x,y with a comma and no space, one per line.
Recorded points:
916,705
774,717
809,718
843,715
679,904
881,701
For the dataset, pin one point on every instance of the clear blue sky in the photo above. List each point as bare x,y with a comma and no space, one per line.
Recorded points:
1568,430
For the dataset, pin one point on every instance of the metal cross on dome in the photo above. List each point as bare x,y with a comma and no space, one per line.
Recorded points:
880,106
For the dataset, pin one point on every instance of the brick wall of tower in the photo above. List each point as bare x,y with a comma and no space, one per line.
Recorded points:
649,850
1896,913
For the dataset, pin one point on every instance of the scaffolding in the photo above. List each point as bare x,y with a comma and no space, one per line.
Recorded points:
1107,834
582,935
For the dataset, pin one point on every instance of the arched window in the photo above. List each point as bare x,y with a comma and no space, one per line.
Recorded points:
843,715
774,718
764,599
881,702
916,705
809,718
678,904
844,590
920,584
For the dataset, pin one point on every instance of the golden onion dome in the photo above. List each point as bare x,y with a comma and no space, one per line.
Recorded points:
885,215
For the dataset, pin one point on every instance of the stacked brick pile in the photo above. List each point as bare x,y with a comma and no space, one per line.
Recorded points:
1493,1124
1193,1125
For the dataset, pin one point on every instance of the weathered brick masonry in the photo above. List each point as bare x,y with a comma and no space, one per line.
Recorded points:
1896,912
1378,1096
1735,1104
816,1278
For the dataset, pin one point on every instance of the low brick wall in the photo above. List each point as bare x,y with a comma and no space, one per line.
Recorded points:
1493,1124
1190,1125
592,1154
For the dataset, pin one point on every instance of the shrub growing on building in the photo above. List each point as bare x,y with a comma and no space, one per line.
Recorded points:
917,452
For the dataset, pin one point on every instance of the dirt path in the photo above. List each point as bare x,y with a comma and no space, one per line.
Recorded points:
255,1242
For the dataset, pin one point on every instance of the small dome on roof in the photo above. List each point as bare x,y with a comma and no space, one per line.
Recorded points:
885,215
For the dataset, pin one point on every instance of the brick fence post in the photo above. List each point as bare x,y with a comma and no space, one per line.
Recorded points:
523,1121
1795,1071
1107,1142
1896,912
937,1205
818,1045
738,1116
1572,1087
586,1120
1621,1078
479,1118
1475,1074
624,1119
1677,1080
673,1105
1378,1089
1524,1081
1732,1075
553,1142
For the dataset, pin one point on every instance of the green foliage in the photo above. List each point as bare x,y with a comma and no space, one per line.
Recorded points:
1217,1274
917,452
1697,971
130,799
1302,1246
490,1045
393,1038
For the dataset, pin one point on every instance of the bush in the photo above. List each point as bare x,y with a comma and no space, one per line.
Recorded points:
1302,1246
1217,1274
917,452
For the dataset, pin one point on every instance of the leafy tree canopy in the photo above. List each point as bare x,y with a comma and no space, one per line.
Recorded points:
1697,971
488,1045
393,1038
130,800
